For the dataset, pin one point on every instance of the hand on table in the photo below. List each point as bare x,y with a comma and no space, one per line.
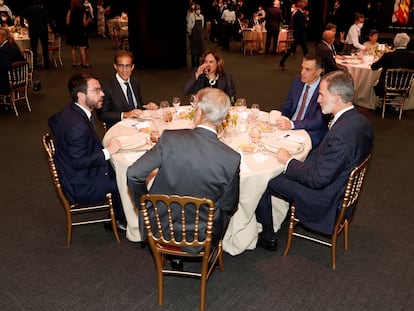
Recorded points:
113,146
282,155
151,106
134,113
283,123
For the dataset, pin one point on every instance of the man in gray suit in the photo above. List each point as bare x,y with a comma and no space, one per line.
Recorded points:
317,185
194,162
122,93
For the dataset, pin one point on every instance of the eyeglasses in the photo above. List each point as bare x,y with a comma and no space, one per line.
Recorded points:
96,90
127,66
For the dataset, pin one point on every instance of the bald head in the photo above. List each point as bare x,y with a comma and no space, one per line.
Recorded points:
328,36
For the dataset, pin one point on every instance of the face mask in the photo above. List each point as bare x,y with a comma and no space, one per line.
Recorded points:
193,7
360,25
4,18
198,12
292,10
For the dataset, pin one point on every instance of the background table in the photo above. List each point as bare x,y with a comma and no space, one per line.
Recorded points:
255,173
364,80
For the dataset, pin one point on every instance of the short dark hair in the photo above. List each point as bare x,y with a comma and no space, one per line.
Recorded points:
372,32
79,83
316,58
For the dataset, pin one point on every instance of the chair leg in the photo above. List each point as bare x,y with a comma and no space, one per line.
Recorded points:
13,100
290,230
333,249
69,234
203,282
383,108
346,235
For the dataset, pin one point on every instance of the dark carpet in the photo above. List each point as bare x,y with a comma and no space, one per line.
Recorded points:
38,272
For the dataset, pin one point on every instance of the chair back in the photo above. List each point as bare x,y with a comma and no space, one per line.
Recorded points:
398,81
49,147
18,76
352,191
178,221
28,56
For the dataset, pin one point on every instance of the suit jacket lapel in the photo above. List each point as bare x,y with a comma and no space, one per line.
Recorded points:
119,94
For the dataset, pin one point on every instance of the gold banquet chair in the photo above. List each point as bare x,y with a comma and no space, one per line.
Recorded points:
195,213
398,83
83,213
54,49
250,41
18,81
28,56
343,218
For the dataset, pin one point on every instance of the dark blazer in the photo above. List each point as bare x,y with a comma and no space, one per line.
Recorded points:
224,83
85,174
191,162
313,122
317,185
9,54
400,58
328,59
273,18
115,101
299,25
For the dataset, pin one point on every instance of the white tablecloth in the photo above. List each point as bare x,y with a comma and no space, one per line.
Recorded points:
364,80
256,170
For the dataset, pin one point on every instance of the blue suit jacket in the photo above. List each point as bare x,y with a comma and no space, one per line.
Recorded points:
313,122
85,174
317,185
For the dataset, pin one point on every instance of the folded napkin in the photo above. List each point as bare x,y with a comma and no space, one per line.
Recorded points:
141,125
291,146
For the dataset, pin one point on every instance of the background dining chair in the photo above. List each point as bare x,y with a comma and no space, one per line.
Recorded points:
85,214
343,218
250,41
18,81
285,44
28,56
54,49
193,231
397,86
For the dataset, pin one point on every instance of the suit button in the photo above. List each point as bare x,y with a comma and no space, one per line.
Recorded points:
106,174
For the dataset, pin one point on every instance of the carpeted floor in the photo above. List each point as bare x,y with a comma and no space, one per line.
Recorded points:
38,272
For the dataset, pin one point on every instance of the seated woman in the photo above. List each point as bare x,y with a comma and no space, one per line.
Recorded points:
372,44
211,74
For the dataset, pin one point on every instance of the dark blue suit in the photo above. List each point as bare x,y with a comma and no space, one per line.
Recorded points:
313,122
317,185
85,174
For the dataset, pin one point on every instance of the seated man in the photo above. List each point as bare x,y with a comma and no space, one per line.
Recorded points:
326,52
400,58
301,109
194,162
122,93
316,186
9,54
81,160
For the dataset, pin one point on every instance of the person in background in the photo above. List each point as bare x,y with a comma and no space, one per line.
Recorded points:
300,109
211,74
354,35
194,162
339,41
81,160
100,17
122,93
273,20
77,21
372,44
261,13
38,18
316,186
6,20
298,21
400,58
9,54
195,27
5,8
228,17
325,50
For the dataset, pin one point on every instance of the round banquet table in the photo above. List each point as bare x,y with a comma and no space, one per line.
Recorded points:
256,170
364,80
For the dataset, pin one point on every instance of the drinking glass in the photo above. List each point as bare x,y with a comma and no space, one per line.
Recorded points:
155,133
192,100
176,102
255,109
165,111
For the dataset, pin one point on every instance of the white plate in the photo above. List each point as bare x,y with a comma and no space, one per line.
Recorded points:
290,146
131,142
247,148
269,128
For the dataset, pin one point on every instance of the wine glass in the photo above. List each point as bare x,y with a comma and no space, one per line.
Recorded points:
176,102
255,109
192,100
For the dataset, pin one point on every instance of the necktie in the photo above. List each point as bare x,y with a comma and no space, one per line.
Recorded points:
129,96
333,50
302,105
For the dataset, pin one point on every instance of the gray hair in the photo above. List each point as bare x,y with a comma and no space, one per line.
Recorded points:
214,104
341,83
401,40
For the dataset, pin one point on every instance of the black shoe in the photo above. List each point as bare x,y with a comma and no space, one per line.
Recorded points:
269,245
177,264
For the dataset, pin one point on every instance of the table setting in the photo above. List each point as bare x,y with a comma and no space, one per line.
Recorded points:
250,132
